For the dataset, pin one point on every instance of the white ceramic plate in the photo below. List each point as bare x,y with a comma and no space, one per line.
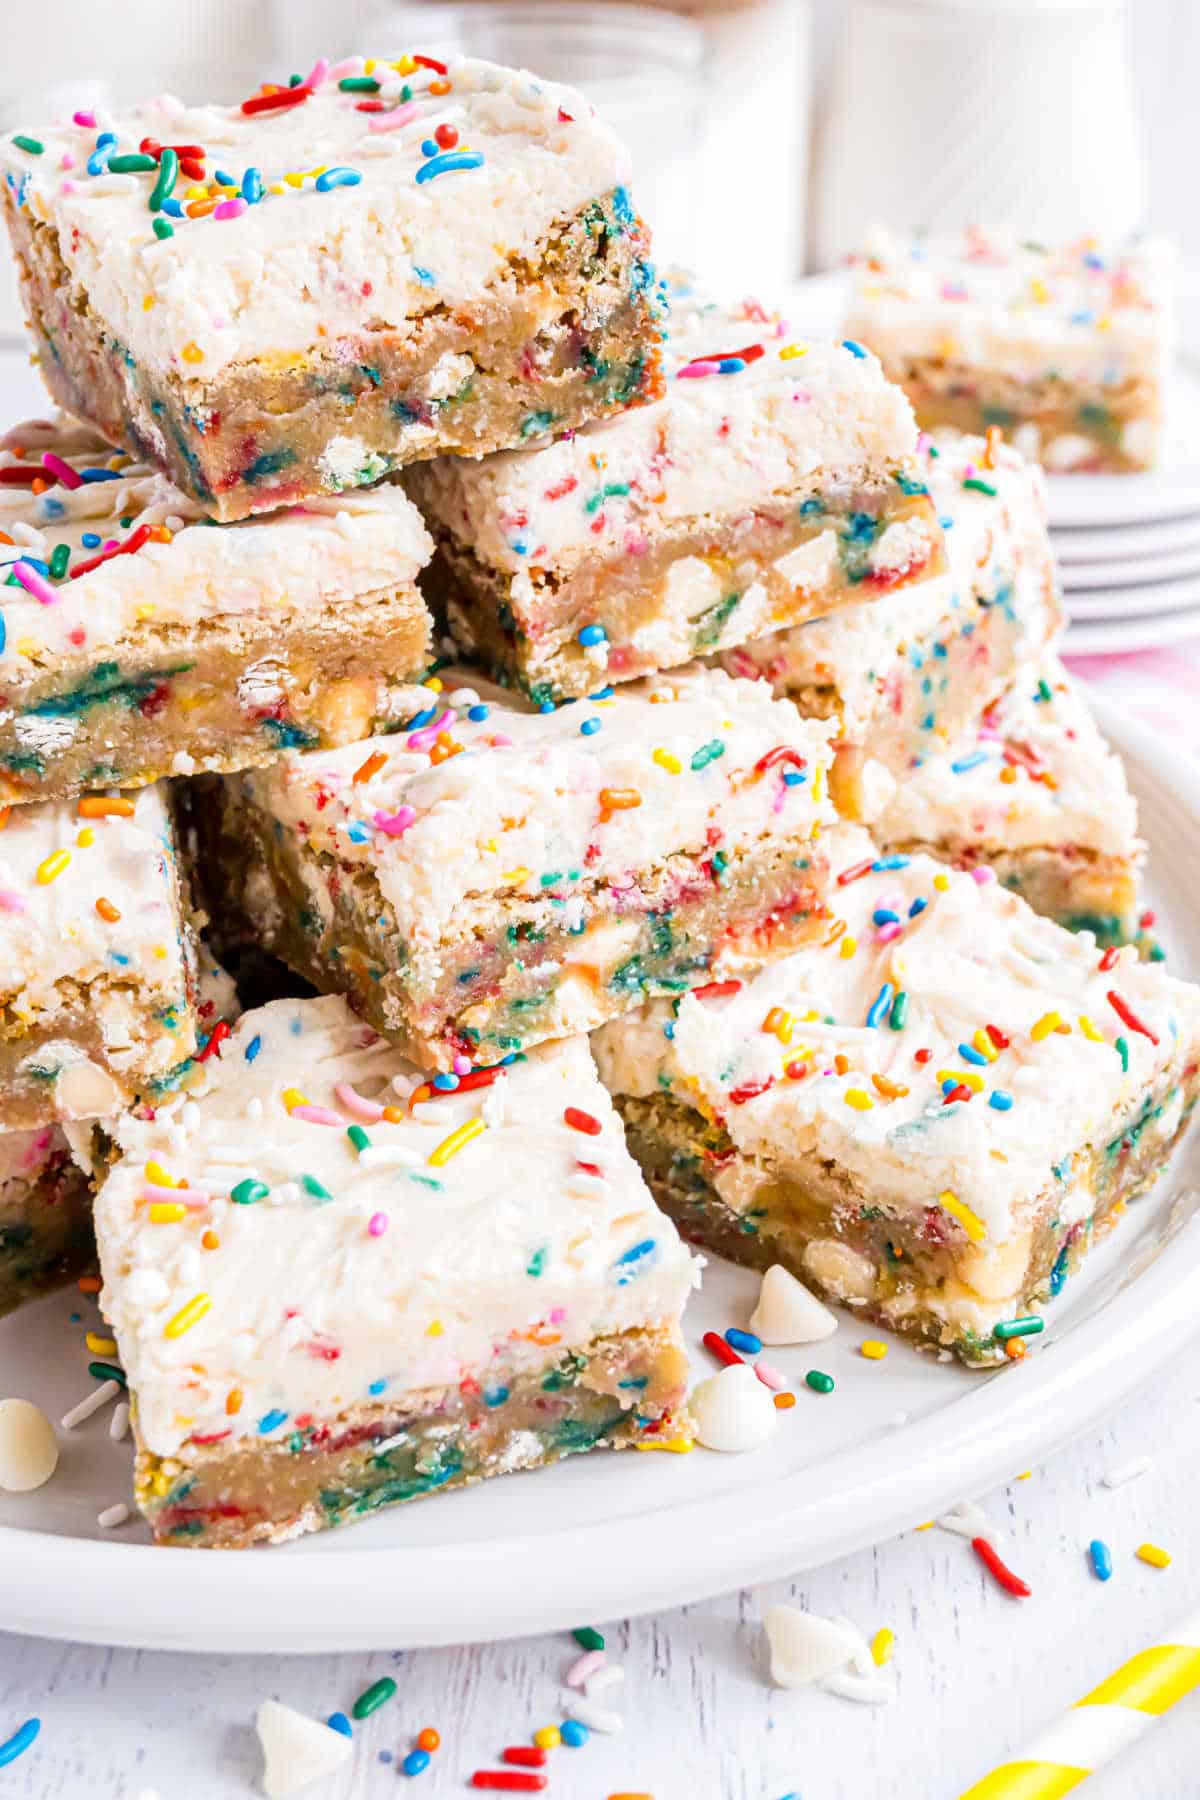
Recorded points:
1125,543
1157,599
1115,575
1120,637
605,1536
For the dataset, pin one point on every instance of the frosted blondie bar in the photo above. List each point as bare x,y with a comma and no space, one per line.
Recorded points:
904,676
45,1214
772,483
1033,792
96,962
1064,346
358,1295
139,640
494,876
929,1117
295,295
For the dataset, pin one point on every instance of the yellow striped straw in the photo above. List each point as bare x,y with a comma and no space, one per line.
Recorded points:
1103,1724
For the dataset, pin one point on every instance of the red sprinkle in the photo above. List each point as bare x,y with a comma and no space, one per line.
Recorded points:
856,871
131,545
1148,919
25,474
510,1780
782,753
1127,1016
478,1078
1000,1571
431,62
260,103
581,1121
724,1353
528,1755
561,489
445,137
220,1032
960,1092
750,354
589,1168
1109,959
749,1090
998,1037
716,990
922,1056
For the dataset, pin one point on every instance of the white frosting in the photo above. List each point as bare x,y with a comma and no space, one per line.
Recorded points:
987,299
1033,773
523,801
974,956
998,553
801,416
506,1253
321,555
302,267
132,971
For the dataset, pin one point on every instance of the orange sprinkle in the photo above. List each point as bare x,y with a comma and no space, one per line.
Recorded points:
988,459
5,539
89,1284
617,800
835,931
393,1114
783,1401
39,486
107,910
443,750
371,767
429,1739
211,1241
161,534
439,88
99,806
1014,1349
421,1093
233,1401
891,1090
5,816
841,1064
200,209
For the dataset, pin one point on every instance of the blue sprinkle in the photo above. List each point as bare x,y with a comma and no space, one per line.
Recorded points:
377,1387
854,349
794,777
589,727
339,1722
91,540
107,140
430,147
3,634
21,1739
593,634
505,1060
336,178
918,906
416,1762
478,713
252,187
253,1048
419,719
271,1421
669,1029
883,863
173,207
965,763
604,693
97,162
222,179
970,1054
120,959
636,1253
743,1340
547,706
100,475
883,915
880,1004
442,165
426,277
447,1083
946,523
999,1100
731,365
1101,1557
495,1396
1059,1273
574,1733
949,1084
358,834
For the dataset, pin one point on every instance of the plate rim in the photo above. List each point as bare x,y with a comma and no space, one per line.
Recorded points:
665,1555
1156,631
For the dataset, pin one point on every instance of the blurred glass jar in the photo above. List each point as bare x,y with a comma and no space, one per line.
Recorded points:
943,113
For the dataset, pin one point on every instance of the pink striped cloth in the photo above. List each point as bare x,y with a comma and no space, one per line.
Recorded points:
1160,687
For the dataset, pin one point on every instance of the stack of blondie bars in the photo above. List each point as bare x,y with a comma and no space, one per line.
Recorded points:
419,591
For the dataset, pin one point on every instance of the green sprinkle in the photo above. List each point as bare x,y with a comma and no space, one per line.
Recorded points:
1018,1328
162,229
819,1382
973,482
537,1262
707,753
373,1697
59,559
358,1138
1044,690
164,187
898,1017
316,1188
131,165
248,1191
534,424
358,84
1121,1046
588,1638
34,146
612,490
106,1371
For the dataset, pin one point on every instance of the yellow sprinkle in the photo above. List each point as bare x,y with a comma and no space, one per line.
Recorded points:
941,883
101,1346
86,838
548,1738
881,1646
971,1223
858,1099
1046,1024
167,1212
667,760
293,1097
1025,1474
404,65
187,1316
1089,1030
192,353
1152,1554
927,1526
790,351
1040,291
849,946
146,610
433,683
515,875
457,1140
52,868
434,1328
490,845
873,1349
984,1045
28,646
158,1177
966,1076
679,1446
147,302
195,193
160,951
816,784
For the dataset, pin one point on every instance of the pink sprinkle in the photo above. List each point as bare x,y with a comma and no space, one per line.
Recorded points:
193,1198
392,121
349,65
770,1376
66,474
556,1315
318,72
86,118
33,584
982,875
583,1666
369,1111
694,370
397,823
317,1115
923,442
231,209
428,735
378,1224
886,933
66,187
66,160
498,741
462,1065
10,901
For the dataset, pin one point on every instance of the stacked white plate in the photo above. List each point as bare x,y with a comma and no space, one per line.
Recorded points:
1128,546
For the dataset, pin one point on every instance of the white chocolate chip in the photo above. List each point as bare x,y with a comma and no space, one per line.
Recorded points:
733,1411
847,1274
805,1647
28,1447
297,1750
787,1313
